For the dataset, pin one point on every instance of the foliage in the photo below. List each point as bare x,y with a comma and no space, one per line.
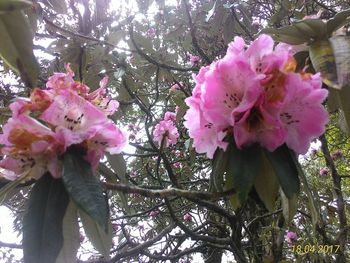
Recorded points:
236,205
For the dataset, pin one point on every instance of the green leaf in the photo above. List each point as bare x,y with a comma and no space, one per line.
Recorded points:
342,99
219,165
118,165
71,235
84,188
101,239
43,219
322,58
339,20
16,46
341,51
266,184
289,206
242,168
288,34
283,164
312,202
12,5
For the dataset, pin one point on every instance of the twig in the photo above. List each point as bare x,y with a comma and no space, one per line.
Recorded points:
170,192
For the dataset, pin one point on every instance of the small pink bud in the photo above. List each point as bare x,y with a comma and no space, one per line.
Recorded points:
153,213
115,227
194,60
151,32
324,171
133,174
187,217
174,87
291,237
177,165
338,154
81,237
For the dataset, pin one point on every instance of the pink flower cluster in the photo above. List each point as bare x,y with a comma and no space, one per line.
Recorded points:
166,130
255,95
51,120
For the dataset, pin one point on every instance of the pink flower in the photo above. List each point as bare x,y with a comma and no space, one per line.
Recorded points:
154,213
51,120
187,217
291,237
100,100
256,94
194,60
324,171
29,147
206,136
301,107
61,80
167,131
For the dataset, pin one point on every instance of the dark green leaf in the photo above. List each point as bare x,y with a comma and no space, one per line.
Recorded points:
42,222
283,164
71,235
84,188
220,161
16,46
242,168
101,239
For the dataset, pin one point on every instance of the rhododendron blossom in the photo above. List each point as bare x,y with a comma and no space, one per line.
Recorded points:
291,237
166,130
44,126
256,95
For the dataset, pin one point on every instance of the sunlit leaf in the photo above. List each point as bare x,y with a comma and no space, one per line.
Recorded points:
16,46
71,235
341,51
101,239
340,19
289,206
266,184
